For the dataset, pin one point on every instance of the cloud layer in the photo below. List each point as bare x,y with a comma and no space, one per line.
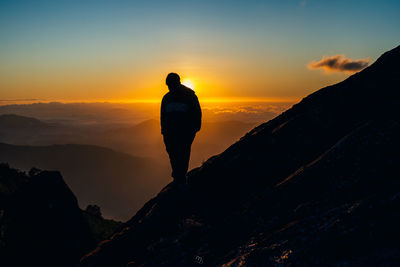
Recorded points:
339,63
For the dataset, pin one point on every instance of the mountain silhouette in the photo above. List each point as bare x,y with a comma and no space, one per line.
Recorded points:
317,185
13,121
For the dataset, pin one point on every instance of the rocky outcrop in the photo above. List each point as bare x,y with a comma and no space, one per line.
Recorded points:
41,223
317,185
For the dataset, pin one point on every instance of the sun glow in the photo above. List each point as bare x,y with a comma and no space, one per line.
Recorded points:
188,83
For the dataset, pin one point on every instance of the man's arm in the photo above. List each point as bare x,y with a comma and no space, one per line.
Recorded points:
197,113
162,116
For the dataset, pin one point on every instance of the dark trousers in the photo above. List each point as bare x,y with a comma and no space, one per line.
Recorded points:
178,147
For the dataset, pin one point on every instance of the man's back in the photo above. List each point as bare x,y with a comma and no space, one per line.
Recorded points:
180,112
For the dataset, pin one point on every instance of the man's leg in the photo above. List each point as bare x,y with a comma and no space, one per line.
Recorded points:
173,146
178,148
186,148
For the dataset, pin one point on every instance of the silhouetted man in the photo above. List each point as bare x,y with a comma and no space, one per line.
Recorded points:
180,120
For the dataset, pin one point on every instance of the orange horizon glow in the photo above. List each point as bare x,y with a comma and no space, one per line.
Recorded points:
205,100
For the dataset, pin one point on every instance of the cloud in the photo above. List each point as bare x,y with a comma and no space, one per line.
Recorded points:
257,112
339,63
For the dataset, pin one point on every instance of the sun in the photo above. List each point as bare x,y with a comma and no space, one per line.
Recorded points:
188,83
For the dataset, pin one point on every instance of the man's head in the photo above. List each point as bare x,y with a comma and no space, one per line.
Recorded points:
173,81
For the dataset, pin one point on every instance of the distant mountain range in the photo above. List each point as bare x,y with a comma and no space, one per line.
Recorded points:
316,186
142,140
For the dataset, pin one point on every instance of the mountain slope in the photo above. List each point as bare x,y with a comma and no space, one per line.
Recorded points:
317,185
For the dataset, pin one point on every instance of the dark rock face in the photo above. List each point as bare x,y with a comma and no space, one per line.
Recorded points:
318,185
41,223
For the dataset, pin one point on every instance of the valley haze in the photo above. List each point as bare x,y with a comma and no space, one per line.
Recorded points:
112,154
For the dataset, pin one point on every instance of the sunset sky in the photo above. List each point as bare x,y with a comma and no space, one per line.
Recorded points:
96,50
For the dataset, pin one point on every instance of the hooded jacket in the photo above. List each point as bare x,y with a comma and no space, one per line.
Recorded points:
180,112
